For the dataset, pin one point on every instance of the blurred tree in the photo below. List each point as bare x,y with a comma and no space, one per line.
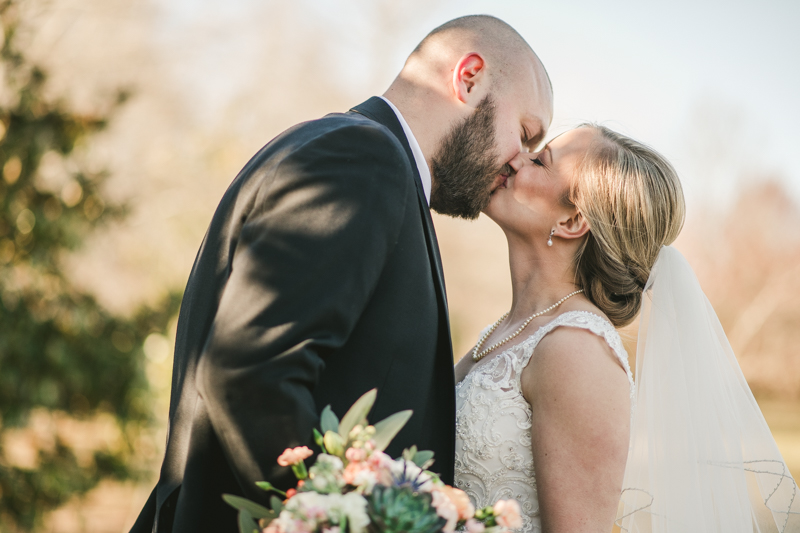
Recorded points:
60,352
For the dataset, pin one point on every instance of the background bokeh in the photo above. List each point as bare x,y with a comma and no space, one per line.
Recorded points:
712,84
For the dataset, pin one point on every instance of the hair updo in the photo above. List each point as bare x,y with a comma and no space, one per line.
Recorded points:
632,200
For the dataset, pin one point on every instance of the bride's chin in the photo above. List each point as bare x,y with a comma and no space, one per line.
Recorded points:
496,214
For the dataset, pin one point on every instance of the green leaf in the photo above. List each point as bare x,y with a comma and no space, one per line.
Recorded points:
423,458
318,440
386,429
276,504
253,509
357,412
328,421
247,523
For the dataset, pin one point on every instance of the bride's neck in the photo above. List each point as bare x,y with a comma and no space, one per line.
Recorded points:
540,276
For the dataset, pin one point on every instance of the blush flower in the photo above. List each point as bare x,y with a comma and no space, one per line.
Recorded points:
445,509
473,526
355,454
507,514
273,527
293,456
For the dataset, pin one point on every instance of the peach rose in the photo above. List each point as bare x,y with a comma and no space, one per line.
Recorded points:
446,509
357,473
460,501
507,514
293,456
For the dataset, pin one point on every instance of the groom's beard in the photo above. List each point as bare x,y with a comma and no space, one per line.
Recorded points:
465,165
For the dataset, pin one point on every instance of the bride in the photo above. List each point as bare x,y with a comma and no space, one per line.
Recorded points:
547,409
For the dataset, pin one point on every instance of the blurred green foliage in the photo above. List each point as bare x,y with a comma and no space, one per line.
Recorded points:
60,351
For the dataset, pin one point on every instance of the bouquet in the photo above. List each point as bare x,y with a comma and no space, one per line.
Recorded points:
354,487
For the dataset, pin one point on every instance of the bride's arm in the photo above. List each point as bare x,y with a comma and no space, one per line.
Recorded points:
579,395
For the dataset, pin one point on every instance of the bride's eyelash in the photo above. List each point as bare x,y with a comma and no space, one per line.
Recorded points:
537,162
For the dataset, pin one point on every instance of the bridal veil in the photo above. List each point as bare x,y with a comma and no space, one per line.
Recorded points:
701,458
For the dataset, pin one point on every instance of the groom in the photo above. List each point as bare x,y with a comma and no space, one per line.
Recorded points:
319,277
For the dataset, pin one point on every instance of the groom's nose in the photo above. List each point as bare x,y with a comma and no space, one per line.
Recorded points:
519,161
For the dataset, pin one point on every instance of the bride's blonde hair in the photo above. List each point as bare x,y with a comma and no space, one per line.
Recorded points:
632,199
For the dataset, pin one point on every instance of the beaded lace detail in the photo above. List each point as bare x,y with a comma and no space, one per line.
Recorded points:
493,421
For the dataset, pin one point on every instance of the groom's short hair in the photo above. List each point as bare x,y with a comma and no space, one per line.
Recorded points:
497,39
478,25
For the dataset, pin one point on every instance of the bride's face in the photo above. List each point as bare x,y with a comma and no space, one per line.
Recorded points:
531,202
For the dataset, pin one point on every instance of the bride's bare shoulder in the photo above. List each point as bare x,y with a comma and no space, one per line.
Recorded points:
569,349
576,356
580,414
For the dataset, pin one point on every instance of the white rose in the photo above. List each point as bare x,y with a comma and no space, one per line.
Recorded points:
354,506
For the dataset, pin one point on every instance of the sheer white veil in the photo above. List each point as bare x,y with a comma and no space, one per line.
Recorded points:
701,456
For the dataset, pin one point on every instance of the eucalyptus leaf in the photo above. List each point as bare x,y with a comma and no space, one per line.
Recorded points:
328,421
253,509
247,523
386,429
423,458
276,504
357,412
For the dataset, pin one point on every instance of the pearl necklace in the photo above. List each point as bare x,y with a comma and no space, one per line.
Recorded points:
477,356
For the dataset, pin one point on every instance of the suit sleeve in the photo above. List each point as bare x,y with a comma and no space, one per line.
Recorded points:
309,256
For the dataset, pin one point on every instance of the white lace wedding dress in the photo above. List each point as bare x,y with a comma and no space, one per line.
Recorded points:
493,421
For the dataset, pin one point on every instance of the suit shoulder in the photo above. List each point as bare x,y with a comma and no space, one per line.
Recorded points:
349,149
354,134
349,154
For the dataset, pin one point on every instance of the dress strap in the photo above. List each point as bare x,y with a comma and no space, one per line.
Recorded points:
586,320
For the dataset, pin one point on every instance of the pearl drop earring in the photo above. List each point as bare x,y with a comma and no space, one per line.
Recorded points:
550,239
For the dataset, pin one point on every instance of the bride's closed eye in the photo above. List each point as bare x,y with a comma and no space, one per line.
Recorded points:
538,162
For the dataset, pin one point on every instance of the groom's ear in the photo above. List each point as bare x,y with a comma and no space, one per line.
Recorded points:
468,72
572,227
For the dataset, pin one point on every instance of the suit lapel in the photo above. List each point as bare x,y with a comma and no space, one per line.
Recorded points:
379,111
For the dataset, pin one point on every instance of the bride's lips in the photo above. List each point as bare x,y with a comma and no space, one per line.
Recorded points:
500,182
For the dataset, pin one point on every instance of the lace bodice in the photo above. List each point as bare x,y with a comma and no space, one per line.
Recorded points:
493,421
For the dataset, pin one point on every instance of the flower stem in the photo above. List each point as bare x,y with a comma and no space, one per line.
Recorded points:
267,486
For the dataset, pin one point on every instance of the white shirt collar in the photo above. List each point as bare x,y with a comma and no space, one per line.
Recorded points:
419,157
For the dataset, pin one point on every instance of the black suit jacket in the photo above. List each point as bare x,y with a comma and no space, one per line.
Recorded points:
319,278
